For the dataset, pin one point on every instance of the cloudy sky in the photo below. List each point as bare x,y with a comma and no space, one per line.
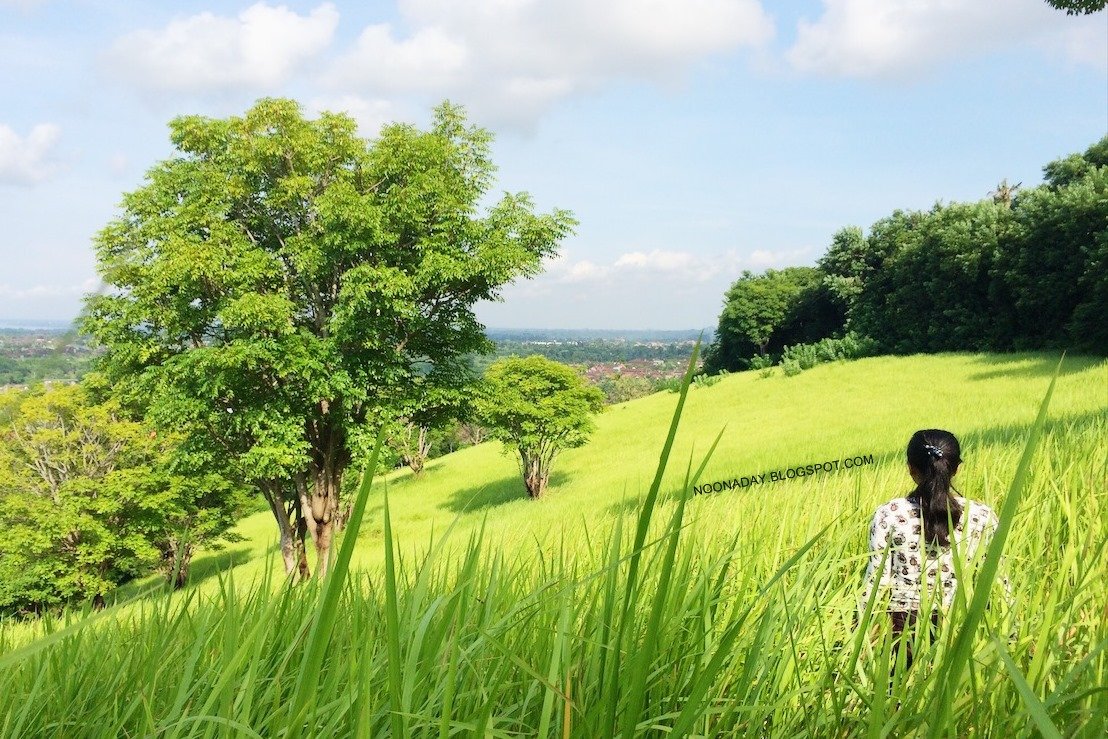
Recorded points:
692,138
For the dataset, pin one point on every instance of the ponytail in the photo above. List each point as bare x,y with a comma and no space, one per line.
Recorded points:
935,455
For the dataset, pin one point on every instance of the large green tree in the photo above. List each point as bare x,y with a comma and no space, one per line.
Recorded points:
933,290
1028,270
280,287
538,407
764,312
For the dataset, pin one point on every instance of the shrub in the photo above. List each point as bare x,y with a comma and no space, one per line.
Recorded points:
797,358
669,384
706,380
760,361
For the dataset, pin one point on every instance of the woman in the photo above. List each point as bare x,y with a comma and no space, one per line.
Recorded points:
923,532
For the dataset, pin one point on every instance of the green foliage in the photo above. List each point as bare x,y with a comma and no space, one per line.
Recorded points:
705,380
1055,265
851,346
34,369
764,312
1079,7
280,288
621,388
1026,270
761,361
670,384
933,294
88,500
539,407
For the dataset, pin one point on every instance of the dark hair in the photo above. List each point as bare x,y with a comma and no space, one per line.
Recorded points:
935,455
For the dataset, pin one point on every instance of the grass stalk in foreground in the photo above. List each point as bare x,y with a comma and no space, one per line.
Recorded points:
739,625
960,652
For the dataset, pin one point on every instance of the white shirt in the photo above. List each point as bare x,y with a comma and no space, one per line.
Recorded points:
898,524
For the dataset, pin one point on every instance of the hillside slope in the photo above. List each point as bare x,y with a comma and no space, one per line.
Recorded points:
831,412
737,616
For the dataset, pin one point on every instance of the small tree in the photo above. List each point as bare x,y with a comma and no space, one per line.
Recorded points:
470,433
88,500
413,444
539,407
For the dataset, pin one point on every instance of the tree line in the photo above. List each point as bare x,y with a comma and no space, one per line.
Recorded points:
1022,269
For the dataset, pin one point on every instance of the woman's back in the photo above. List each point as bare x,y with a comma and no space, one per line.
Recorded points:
912,567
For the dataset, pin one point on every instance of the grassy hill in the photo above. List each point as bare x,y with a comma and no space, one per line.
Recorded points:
830,412
735,618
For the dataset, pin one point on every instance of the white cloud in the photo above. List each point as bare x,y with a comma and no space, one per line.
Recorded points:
427,60
674,267
509,60
41,291
369,113
661,288
27,160
657,259
259,48
900,38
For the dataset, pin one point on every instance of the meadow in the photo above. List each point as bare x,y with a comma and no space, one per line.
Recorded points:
620,604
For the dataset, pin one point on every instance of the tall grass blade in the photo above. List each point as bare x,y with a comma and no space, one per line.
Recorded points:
951,672
327,611
1034,706
645,514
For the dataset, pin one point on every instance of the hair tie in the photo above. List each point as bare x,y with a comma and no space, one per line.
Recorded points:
933,451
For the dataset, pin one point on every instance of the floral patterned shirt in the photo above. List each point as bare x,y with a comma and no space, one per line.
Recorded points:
911,564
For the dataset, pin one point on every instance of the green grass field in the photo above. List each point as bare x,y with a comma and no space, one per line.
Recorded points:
502,616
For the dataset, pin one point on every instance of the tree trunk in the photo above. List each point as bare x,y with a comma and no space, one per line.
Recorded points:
291,525
177,558
301,551
184,562
319,504
535,474
416,447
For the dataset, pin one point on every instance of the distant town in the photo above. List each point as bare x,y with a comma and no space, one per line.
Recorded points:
637,361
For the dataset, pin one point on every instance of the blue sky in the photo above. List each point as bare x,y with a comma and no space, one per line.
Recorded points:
692,138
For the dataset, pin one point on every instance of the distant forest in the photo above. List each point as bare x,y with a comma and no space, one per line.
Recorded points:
583,334
1024,269
583,350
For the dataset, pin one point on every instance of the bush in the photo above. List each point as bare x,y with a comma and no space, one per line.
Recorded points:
795,359
760,361
703,380
670,384
804,355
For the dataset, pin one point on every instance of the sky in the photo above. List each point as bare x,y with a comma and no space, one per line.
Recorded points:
692,139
